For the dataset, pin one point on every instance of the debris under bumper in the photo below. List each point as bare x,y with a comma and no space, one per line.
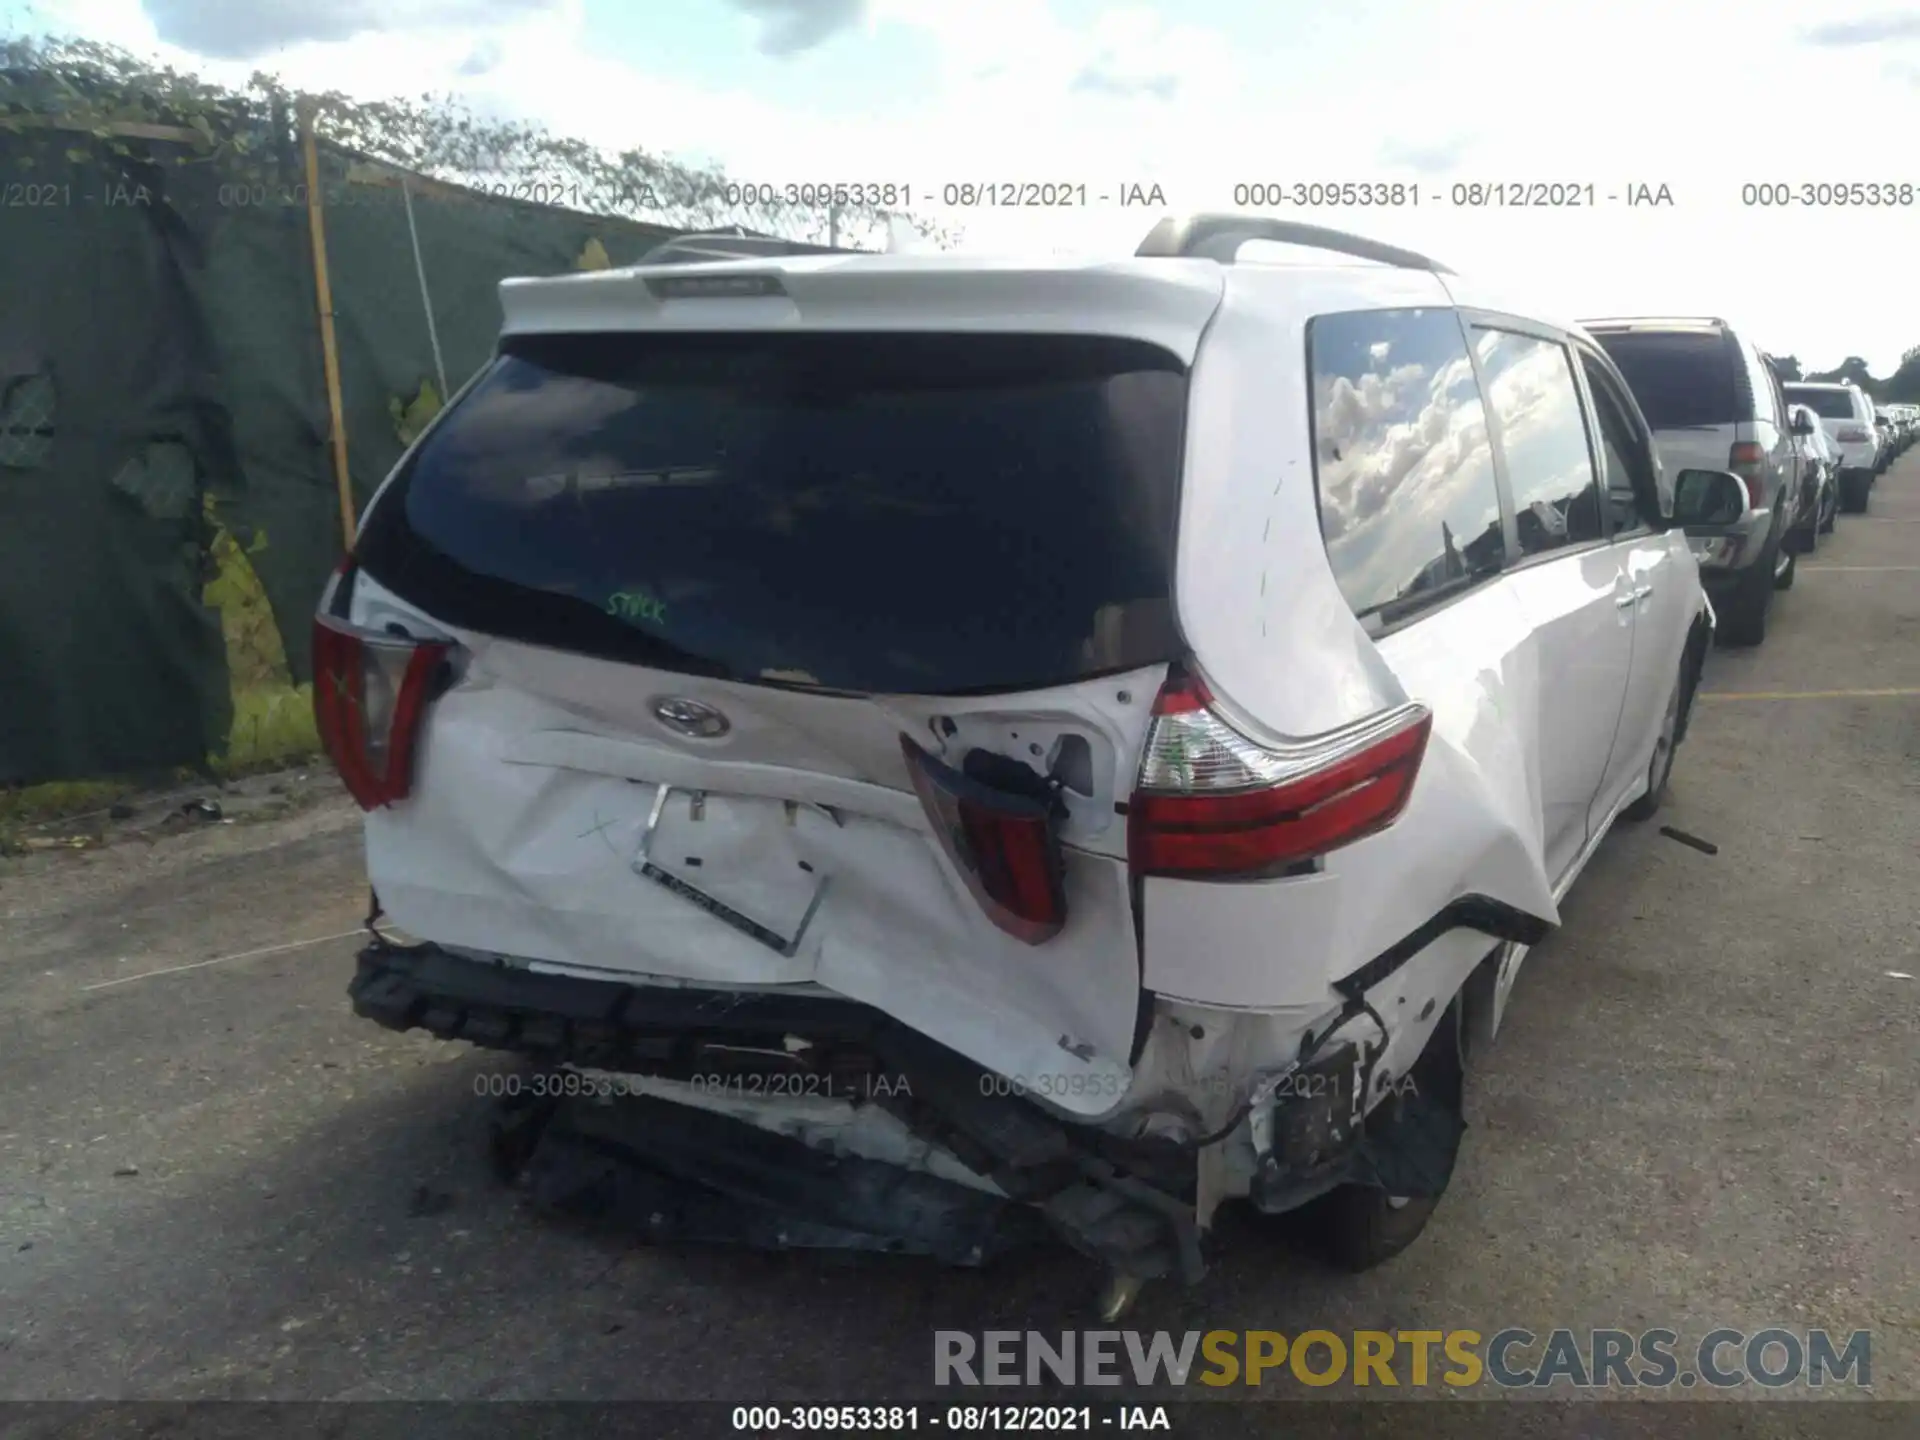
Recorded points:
779,1119
686,1067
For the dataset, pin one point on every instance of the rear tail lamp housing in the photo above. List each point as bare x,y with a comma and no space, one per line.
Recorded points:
1213,804
1748,461
1005,845
370,696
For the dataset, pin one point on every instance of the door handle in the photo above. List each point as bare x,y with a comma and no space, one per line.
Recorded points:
1640,592
1626,602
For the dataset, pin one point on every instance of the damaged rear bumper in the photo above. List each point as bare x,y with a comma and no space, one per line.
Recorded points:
783,1120
684,1167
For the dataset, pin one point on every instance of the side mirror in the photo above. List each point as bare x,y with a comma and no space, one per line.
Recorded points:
1802,425
1709,497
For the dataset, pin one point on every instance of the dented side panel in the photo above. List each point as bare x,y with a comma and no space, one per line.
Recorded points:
1473,827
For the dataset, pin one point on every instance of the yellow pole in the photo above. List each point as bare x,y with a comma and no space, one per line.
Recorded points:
329,348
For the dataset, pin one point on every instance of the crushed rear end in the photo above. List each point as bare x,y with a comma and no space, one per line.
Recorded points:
771,709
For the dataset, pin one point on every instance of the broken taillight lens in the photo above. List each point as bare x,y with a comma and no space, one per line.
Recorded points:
1006,846
370,694
1212,804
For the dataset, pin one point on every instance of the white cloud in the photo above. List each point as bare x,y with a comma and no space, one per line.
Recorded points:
1503,90
249,29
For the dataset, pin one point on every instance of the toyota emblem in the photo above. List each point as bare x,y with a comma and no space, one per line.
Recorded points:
691,718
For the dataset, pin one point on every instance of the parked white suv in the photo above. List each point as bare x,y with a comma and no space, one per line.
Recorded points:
1846,414
1099,736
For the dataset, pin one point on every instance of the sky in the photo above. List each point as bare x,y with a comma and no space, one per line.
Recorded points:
1702,97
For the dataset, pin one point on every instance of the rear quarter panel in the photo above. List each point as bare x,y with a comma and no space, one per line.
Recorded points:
1270,628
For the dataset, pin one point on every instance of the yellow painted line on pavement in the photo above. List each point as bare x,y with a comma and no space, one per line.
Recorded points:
1913,690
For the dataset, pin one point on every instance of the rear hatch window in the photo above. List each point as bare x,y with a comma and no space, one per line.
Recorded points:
870,513
1827,404
1682,380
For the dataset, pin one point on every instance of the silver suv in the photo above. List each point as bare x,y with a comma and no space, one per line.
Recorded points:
1715,404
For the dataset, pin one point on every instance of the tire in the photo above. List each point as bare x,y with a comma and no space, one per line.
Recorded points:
1784,580
1356,1227
1743,619
1660,768
1854,485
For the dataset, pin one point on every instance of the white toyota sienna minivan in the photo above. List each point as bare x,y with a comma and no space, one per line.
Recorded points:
942,750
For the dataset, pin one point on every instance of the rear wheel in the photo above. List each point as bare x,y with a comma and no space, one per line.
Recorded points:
1660,769
1357,1227
1854,485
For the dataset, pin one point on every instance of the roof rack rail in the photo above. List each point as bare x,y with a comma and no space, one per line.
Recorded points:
1219,237
732,244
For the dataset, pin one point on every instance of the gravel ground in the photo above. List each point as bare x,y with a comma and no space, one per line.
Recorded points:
215,1182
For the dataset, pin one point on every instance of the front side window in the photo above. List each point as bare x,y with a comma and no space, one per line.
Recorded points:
1543,433
1409,506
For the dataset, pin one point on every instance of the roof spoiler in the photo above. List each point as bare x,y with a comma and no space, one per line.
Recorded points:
1605,320
734,244
1219,237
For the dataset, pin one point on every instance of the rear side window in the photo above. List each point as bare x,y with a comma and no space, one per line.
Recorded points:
1543,434
1625,461
1763,387
931,514
1827,404
1680,379
1408,502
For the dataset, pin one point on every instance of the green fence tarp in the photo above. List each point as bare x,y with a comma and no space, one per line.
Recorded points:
159,342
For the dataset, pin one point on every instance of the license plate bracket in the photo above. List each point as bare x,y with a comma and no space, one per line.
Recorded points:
647,863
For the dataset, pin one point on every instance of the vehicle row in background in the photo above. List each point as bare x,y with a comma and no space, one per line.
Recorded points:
1804,451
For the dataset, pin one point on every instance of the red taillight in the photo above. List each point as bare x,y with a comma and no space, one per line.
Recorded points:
370,693
1005,846
1214,804
1748,461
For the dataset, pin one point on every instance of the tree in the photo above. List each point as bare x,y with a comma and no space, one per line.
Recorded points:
1787,367
1851,371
